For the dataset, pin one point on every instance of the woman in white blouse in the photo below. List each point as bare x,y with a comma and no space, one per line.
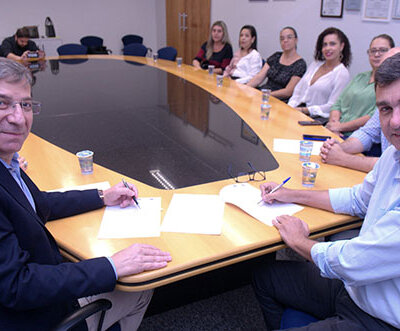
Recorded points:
326,77
246,62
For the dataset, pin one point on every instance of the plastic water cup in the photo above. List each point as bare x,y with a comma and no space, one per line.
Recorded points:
85,161
155,57
179,61
220,80
266,93
211,69
306,147
310,170
265,110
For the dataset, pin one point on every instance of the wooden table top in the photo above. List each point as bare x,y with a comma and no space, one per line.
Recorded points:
243,237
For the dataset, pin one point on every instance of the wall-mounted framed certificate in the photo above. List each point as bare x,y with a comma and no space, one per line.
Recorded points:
332,8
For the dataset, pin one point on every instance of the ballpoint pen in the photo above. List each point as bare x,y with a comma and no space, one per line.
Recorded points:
276,188
133,197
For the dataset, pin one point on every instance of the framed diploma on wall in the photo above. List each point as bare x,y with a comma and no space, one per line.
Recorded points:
377,10
332,8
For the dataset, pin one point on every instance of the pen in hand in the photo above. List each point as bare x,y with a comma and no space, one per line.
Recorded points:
133,197
276,188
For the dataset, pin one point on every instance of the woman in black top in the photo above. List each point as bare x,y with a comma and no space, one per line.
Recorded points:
216,51
283,69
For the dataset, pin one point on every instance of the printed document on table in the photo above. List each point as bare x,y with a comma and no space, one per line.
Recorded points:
246,197
293,146
194,213
132,221
100,186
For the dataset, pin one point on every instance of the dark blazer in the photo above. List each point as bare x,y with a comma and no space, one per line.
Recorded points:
37,289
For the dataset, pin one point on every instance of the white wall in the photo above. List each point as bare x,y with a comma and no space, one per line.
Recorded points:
74,19
304,15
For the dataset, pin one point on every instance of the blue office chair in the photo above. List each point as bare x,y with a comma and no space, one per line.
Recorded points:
167,53
72,49
135,50
292,318
132,39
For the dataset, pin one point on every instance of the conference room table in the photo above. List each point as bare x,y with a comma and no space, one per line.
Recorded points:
243,237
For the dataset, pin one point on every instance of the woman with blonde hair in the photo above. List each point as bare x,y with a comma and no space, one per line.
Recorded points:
216,51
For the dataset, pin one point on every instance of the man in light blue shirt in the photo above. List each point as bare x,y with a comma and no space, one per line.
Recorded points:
353,284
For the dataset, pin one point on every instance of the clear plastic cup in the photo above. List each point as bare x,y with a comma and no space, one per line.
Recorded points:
306,147
211,69
220,80
179,61
310,170
85,161
265,110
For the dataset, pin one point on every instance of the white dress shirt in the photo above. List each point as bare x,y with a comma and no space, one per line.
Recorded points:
246,67
369,265
320,96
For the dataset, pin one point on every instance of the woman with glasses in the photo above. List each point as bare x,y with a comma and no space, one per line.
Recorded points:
246,62
356,103
216,51
326,77
283,69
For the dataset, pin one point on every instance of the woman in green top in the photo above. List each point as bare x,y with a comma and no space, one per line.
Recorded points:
356,103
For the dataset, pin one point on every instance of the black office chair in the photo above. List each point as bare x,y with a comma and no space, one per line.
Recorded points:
84,312
95,45
132,39
135,50
167,53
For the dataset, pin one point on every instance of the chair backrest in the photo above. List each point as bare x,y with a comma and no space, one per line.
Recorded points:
72,49
167,53
132,39
135,50
93,41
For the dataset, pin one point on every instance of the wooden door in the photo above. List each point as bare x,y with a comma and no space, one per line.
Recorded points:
188,25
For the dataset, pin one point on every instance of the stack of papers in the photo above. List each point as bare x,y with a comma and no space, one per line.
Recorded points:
132,221
246,197
293,146
194,213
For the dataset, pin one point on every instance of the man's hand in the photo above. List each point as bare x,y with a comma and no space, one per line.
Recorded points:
281,195
120,195
294,233
138,258
24,55
332,153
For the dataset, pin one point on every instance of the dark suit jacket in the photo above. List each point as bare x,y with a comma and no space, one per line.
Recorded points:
37,289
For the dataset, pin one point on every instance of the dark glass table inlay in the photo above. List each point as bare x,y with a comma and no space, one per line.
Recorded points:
139,118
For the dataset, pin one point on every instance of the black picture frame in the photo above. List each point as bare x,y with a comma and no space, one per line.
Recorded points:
333,12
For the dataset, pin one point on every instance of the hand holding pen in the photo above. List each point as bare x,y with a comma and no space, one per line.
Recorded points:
133,197
270,188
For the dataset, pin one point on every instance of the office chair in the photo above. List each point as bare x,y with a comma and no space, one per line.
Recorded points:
135,50
292,318
72,49
95,45
167,53
132,39
84,312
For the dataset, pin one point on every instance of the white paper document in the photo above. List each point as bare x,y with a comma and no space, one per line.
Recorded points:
293,146
246,197
132,221
100,186
194,213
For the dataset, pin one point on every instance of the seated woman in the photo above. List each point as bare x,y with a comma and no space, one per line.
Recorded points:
246,62
217,51
283,69
326,77
356,104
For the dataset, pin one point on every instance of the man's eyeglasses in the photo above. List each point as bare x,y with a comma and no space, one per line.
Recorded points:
7,106
244,177
375,51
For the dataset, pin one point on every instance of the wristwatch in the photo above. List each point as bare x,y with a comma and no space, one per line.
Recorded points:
101,195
